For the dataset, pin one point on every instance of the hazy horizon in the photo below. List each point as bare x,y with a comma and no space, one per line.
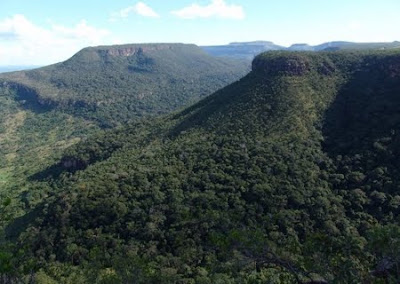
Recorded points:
19,67
44,32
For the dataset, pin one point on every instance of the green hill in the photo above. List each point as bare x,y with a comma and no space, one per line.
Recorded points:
46,110
286,176
115,84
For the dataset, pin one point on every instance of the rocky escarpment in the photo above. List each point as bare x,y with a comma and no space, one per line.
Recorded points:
128,50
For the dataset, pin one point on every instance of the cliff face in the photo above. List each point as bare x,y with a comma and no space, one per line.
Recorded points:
91,55
123,51
131,50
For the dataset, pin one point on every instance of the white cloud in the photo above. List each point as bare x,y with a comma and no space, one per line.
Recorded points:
81,31
217,8
17,26
23,42
139,8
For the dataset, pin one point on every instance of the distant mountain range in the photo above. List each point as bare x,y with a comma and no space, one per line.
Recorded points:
248,50
242,49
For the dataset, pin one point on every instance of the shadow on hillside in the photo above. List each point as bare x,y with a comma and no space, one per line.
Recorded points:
28,98
221,101
365,110
52,172
20,224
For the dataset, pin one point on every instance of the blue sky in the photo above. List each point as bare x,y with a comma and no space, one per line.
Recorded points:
38,32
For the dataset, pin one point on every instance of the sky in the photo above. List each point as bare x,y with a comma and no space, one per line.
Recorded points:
41,32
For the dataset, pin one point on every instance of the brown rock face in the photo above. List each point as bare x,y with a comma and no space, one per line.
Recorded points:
123,51
127,51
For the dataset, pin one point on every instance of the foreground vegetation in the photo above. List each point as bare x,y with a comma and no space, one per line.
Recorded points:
289,175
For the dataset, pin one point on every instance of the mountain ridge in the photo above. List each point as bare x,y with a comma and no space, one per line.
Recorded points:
249,50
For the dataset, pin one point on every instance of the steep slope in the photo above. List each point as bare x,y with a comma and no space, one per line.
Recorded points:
101,86
286,176
114,84
46,110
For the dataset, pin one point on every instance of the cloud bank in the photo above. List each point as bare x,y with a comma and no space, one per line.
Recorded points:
24,43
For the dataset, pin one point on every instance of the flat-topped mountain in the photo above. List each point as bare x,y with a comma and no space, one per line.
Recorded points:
113,84
290,173
301,47
244,50
248,50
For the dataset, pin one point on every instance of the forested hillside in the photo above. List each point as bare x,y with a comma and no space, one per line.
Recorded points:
46,110
115,84
289,175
